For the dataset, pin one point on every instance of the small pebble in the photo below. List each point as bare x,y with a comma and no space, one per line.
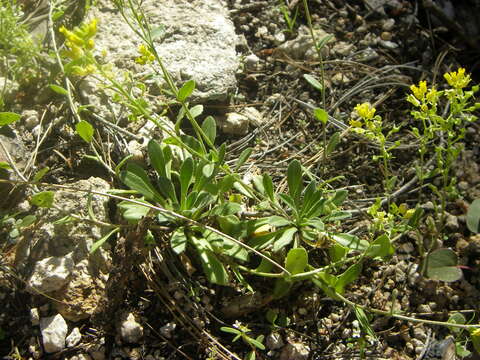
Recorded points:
388,24
387,36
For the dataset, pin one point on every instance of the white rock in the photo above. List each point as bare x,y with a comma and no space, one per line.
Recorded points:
388,24
340,78
254,116
73,338
167,329
390,45
342,48
130,330
50,274
274,341
54,330
297,48
34,316
31,118
198,42
251,61
294,351
235,124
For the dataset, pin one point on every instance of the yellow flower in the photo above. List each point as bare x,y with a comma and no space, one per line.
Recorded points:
146,55
355,123
457,79
420,90
365,111
432,96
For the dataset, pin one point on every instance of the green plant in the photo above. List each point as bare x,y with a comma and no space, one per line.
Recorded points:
19,52
287,16
442,130
242,332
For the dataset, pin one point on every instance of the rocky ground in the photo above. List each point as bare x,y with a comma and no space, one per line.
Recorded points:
250,67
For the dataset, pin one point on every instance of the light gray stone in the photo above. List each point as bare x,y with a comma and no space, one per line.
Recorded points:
50,274
34,316
235,124
299,47
73,338
168,329
198,42
294,351
54,330
130,330
274,341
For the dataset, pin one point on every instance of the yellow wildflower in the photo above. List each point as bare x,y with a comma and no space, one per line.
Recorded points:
365,111
356,123
420,90
146,55
432,96
457,79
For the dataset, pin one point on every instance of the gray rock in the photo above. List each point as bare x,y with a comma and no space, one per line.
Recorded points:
251,62
274,341
74,337
31,118
297,48
235,124
130,330
34,316
198,42
388,24
390,45
451,222
54,330
295,351
50,274
342,48
168,329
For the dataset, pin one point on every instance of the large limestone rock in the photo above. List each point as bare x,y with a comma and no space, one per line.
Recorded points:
198,42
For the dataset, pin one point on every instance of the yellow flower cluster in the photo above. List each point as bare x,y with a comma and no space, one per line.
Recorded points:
423,96
146,55
79,43
365,111
457,79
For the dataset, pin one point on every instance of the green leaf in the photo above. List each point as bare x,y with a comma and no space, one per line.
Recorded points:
256,343
321,115
230,330
197,110
167,189
137,179
277,221
7,118
441,265
5,165
157,32
43,199
251,355
339,197
27,221
314,82
364,322
349,241
337,252
178,241
84,130
297,260
209,127
41,173
456,318
350,275
97,244
157,158
243,158
473,216
337,216
58,89
227,208
212,267
294,180
281,288
186,176
323,41
381,248
186,90
268,186
132,211
332,143
284,238
207,170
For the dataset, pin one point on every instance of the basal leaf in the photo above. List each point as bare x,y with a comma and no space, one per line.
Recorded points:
314,82
84,130
349,276
209,127
294,180
58,89
297,260
157,159
178,241
441,265
350,241
321,115
137,179
243,158
43,199
7,118
284,238
381,248
186,176
473,216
